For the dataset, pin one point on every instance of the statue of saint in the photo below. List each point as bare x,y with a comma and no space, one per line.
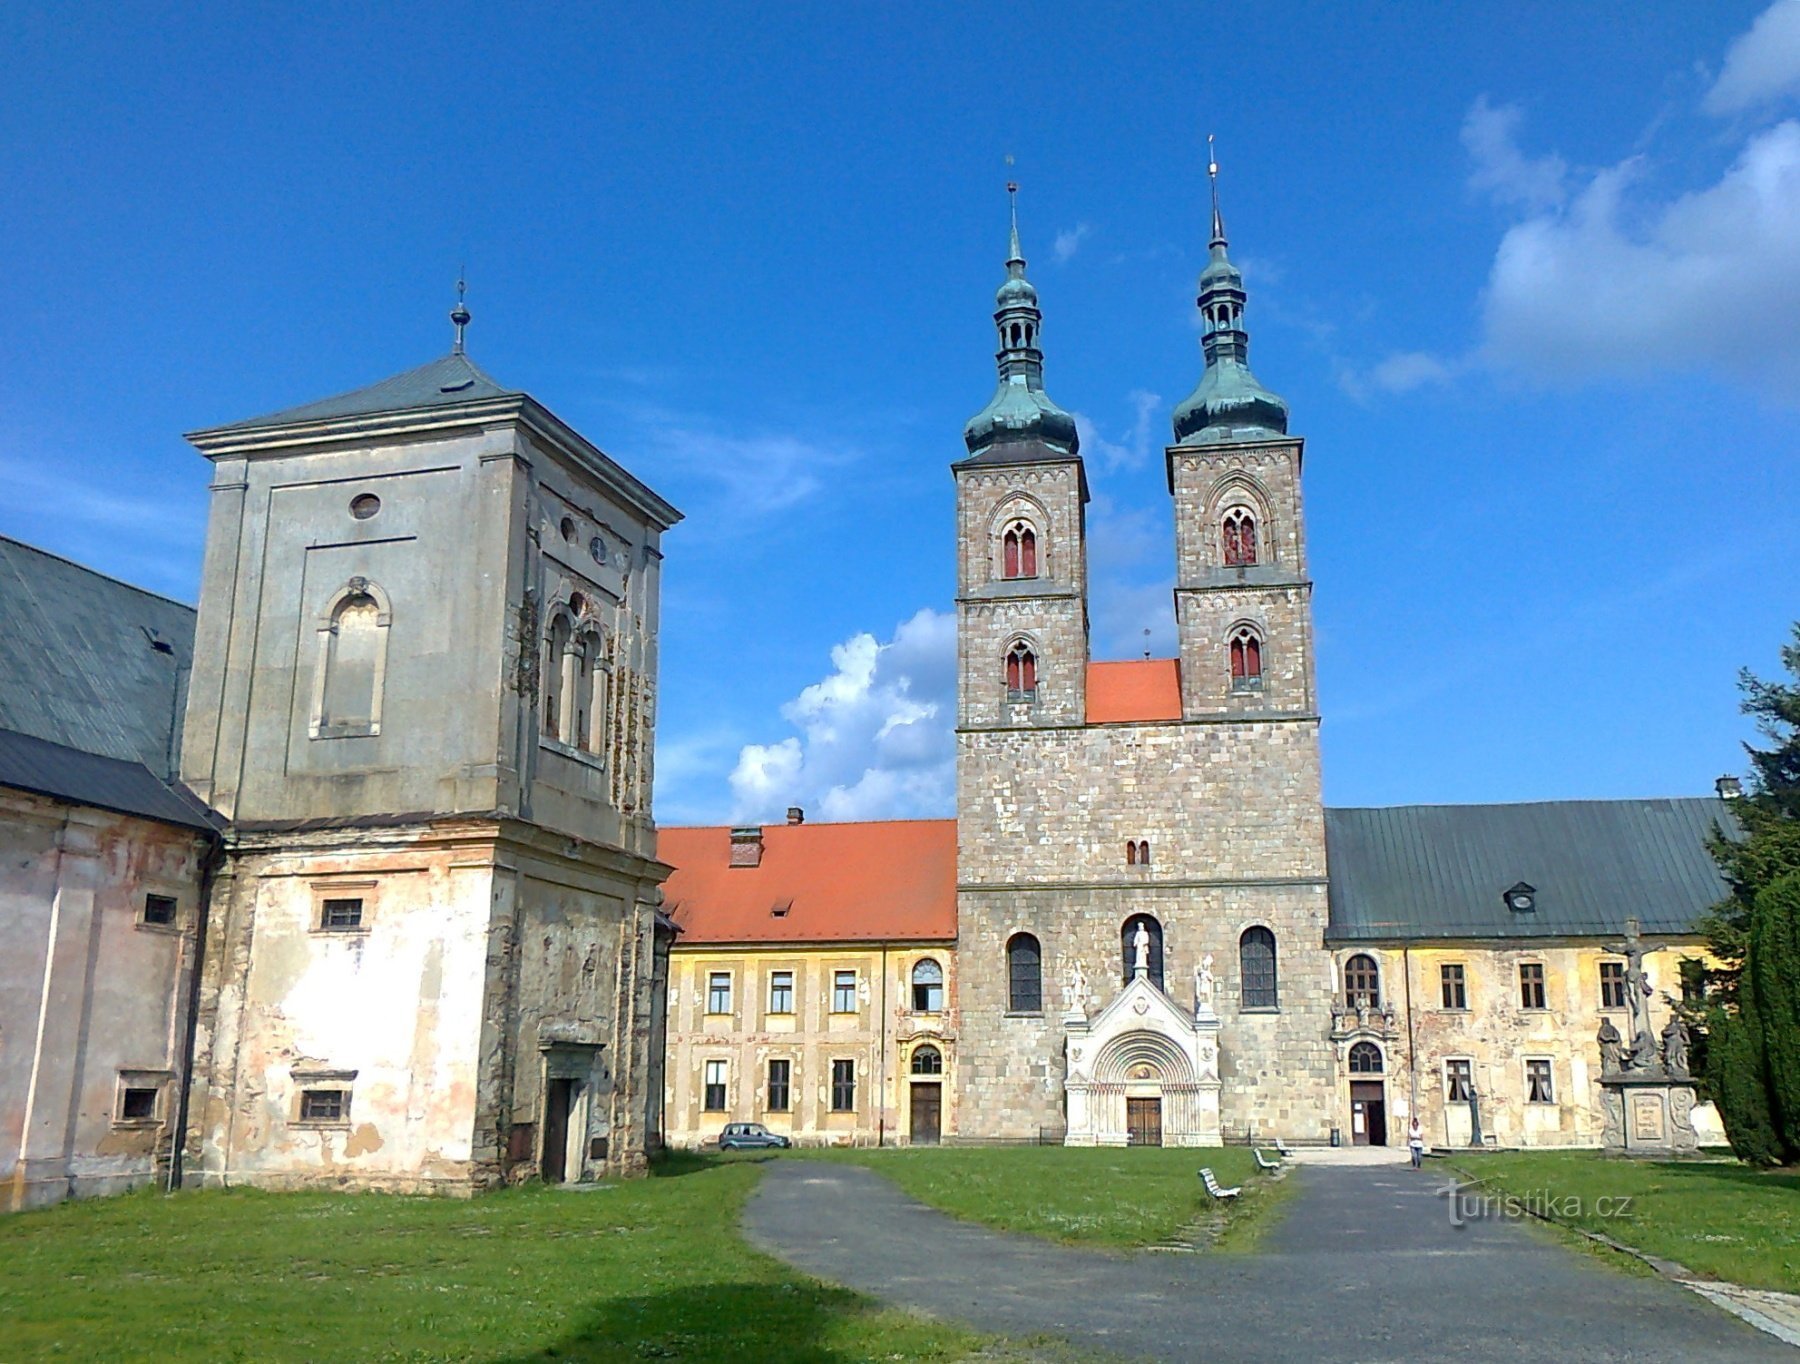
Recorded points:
1140,947
1675,1047
1078,989
1611,1045
1203,982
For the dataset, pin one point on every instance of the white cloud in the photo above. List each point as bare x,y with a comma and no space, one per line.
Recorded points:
1069,241
876,735
1136,446
1490,135
1618,283
1762,65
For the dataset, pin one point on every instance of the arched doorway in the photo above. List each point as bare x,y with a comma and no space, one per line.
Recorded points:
1146,1089
1368,1096
926,1115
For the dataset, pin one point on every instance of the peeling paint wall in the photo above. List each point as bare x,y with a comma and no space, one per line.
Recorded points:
880,1036
91,997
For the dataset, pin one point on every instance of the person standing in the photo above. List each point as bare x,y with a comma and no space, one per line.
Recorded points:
1415,1141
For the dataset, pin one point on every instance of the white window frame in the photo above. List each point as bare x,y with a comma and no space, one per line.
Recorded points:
837,991
1549,1064
713,989
784,980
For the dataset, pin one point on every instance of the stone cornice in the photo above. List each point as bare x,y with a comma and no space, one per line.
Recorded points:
1170,883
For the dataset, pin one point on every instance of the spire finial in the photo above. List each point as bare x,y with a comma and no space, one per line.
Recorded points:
1212,173
459,315
1014,253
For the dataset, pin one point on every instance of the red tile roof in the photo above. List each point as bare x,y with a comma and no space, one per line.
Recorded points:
886,881
1141,689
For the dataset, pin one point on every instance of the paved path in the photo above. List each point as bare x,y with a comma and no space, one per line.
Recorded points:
1365,1267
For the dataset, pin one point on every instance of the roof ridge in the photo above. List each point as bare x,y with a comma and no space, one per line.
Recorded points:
97,573
1520,804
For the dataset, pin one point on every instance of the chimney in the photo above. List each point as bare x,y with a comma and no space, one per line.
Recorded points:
746,846
796,815
1729,787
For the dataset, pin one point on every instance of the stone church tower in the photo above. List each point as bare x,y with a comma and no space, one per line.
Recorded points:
1141,855
423,698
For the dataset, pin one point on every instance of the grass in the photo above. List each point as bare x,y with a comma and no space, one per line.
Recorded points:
652,1269
1720,1219
1088,1196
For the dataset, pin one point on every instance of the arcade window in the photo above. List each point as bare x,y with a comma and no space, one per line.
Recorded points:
1246,660
1021,673
1531,985
1454,985
1019,551
843,1086
1240,538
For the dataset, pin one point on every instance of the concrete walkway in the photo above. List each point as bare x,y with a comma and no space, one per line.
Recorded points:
1366,1266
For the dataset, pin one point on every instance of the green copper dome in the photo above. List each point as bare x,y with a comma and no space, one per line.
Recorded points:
1020,412
1228,403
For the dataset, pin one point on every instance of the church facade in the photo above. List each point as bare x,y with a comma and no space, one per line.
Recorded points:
1161,935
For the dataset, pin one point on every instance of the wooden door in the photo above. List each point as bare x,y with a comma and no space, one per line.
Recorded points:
1368,1113
927,1114
1143,1122
559,1097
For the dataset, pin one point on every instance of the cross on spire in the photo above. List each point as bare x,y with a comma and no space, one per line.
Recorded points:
1212,174
459,315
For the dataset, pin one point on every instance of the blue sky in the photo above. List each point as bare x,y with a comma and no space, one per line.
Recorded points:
1528,279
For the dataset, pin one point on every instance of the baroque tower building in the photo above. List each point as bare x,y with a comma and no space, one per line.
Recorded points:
1141,856
423,701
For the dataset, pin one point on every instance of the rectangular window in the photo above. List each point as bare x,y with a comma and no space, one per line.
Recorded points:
715,1086
1538,1087
1455,985
137,1103
1459,1080
324,1105
159,910
1531,985
843,1086
1612,985
780,1072
341,913
1693,982
718,992
781,992
843,993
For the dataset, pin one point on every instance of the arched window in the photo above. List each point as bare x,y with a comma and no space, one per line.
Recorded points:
1240,538
927,987
1365,1059
927,1060
1018,551
1021,673
557,664
1137,852
1362,982
1128,946
1024,975
1256,968
351,668
1246,659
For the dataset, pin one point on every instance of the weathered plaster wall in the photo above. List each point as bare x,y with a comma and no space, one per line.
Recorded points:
879,1036
88,994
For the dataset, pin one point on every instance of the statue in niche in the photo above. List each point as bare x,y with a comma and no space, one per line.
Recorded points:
1140,949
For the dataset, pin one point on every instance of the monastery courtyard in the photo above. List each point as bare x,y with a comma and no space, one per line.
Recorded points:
820,1257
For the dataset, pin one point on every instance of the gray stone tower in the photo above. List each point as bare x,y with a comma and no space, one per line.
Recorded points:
1179,797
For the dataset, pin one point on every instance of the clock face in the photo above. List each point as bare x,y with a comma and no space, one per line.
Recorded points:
1521,902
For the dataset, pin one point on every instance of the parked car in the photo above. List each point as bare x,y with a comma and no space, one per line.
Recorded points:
749,1136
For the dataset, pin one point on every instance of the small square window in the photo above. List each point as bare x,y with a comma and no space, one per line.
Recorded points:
159,910
1531,985
1454,985
1459,1080
137,1103
1539,1089
843,992
781,992
718,992
324,1105
340,913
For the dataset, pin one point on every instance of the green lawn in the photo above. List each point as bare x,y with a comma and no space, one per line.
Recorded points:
1719,1218
1080,1195
652,1269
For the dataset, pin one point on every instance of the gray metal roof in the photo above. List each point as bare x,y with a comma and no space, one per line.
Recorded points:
67,774
452,379
78,662
1440,871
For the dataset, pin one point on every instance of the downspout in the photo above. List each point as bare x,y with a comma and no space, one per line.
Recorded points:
215,854
881,1090
1412,1039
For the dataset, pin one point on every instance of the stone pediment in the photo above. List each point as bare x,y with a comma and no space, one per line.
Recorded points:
1142,1047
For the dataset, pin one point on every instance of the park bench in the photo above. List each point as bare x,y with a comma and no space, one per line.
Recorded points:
1281,1146
1212,1186
1262,1164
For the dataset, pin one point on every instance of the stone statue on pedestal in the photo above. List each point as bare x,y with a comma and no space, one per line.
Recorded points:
1140,946
1075,1000
1642,1051
1203,985
1611,1047
1675,1047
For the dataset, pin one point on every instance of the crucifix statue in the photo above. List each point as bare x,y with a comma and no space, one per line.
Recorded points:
1642,1050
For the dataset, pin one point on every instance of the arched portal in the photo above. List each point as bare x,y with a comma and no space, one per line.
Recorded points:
1141,1072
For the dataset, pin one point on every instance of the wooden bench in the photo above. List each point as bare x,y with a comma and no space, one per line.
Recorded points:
1262,1164
1212,1186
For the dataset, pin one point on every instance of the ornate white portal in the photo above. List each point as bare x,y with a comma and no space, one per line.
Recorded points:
1143,1069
